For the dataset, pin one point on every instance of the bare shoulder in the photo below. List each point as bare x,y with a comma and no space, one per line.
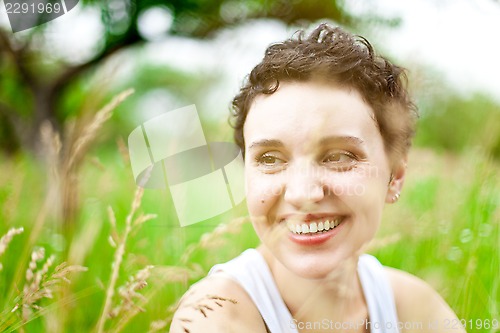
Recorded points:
418,303
216,304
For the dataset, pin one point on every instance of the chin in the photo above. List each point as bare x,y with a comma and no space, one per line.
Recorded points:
312,273
316,266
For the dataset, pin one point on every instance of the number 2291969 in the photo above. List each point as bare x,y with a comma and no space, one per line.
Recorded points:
471,324
40,8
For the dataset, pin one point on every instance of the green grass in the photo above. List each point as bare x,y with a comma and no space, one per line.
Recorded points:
447,221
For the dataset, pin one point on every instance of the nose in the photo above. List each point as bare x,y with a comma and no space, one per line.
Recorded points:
303,187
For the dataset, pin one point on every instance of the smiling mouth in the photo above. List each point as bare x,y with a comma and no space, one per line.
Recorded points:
313,228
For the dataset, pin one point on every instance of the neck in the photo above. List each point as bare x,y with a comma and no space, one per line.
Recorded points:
337,297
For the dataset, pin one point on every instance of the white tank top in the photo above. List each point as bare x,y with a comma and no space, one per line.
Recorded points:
250,270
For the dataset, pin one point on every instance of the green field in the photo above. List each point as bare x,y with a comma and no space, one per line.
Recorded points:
82,249
445,229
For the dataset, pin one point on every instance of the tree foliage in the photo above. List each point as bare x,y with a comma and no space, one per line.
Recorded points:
31,92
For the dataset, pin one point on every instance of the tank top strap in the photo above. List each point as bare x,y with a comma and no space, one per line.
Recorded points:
378,295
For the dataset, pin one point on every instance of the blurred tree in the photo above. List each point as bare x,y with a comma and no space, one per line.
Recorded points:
455,123
31,93
34,91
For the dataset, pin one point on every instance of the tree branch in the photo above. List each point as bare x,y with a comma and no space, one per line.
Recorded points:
72,73
18,57
15,121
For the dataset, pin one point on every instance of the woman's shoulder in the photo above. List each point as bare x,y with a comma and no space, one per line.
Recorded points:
418,303
216,304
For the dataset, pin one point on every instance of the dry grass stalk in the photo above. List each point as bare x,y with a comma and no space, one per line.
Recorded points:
169,274
158,325
90,131
98,164
83,243
123,150
113,238
201,306
120,243
129,292
40,284
51,142
51,145
77,144
7,238
214,238
131,301
180,274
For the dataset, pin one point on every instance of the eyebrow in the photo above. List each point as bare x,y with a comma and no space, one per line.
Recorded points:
266,143
324,141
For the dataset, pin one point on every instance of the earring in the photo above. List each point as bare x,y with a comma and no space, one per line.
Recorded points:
396,197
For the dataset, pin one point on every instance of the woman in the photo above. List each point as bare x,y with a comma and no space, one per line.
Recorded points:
325,126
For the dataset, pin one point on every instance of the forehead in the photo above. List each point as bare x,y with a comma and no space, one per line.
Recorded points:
300,112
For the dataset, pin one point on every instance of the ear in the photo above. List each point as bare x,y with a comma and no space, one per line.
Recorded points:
396,183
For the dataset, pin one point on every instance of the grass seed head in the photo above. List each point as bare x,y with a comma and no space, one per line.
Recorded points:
7,238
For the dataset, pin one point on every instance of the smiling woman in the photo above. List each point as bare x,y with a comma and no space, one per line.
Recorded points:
312,179
325,126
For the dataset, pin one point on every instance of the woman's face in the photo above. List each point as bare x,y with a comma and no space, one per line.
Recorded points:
317,175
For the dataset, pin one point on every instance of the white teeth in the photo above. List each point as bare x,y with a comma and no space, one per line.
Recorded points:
327,225
313,227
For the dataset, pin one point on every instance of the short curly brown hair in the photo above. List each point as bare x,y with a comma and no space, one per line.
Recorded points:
332,54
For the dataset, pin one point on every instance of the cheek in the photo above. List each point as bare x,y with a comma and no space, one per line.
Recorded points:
347,184
262,192
360,188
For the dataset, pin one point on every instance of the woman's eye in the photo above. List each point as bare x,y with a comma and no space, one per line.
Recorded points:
340,159
268,160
